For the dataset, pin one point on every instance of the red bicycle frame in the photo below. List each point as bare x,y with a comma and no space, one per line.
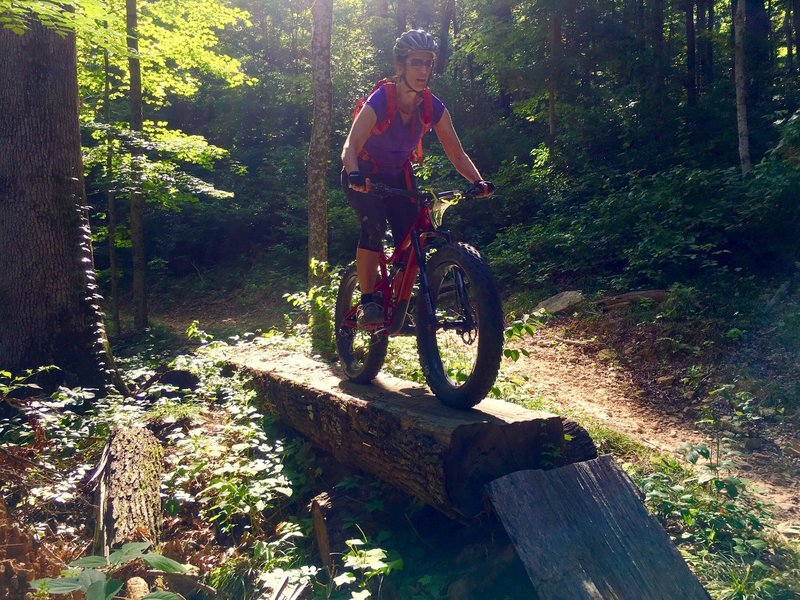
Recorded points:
399,271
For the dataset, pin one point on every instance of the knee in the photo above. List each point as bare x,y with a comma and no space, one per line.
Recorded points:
371,235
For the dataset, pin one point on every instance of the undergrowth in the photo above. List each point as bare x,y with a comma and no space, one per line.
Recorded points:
236,487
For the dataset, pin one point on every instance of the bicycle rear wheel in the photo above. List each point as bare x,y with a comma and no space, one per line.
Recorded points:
461,347
362,353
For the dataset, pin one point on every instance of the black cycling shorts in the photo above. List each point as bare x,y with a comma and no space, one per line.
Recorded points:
374,211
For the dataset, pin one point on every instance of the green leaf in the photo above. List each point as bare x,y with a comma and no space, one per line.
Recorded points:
89,577
344,579
161,595
162,563
60,585
757,544
103,590
90,562
128,552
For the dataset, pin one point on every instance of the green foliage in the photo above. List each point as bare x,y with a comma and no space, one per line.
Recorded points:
319,305
360,564
681,225
85,574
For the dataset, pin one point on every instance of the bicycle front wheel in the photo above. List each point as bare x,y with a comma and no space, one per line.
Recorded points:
362,353
461,344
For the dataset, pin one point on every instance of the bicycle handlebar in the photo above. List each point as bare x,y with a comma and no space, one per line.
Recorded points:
428,197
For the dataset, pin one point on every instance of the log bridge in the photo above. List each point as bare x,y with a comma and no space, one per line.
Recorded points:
576,520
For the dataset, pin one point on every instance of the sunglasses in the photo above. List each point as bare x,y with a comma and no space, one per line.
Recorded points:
421,62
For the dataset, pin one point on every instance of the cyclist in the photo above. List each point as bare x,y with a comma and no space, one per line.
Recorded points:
379,148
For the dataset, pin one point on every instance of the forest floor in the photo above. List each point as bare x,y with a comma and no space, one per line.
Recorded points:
607,372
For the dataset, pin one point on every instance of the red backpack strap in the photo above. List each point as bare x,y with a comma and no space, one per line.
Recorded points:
391,105
426,116
427,109
390,93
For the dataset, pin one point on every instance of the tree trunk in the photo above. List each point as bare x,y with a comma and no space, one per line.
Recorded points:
691,55
796,24
401,15
402,434
710,27
741,88
555,70
318,158
318,150
657,41
111,202
48,296
448,9
137,199
787,31
128,484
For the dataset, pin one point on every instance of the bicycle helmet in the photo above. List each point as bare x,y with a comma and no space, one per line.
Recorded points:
415,40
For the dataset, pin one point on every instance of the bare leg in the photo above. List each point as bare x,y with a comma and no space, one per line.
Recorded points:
367,268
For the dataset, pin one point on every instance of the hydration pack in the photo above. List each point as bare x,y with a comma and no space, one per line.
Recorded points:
426,112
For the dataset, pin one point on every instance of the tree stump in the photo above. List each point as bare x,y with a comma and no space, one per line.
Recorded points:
127,494
399,432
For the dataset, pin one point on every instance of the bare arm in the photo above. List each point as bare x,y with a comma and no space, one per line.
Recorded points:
452,148
359,133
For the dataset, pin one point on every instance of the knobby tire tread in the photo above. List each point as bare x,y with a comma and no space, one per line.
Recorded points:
484,295
371,365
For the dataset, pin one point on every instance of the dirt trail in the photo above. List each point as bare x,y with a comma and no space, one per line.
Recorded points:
581,383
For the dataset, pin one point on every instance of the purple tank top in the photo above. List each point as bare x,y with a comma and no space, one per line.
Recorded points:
390,151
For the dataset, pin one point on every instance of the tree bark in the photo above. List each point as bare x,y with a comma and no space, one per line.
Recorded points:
128,484
137,199
796,24
48,295
402,434
657,41
582,532
691,55
787,31
741,87
111,202
318,150
555,70
448,9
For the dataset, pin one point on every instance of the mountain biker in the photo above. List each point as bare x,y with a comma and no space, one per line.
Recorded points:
378,149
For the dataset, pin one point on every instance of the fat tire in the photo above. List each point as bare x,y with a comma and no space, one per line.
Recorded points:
486,301
357,369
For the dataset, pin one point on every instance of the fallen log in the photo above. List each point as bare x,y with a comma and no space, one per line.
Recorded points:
402,434
127,494
622,300
583,534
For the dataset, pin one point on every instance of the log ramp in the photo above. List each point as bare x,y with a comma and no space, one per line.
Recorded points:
576,520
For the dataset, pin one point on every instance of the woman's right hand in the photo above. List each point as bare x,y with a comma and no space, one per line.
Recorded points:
358,182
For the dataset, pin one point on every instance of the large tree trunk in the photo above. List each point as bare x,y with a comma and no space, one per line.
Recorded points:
48,301
318,150
741,88
128,483
137,200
